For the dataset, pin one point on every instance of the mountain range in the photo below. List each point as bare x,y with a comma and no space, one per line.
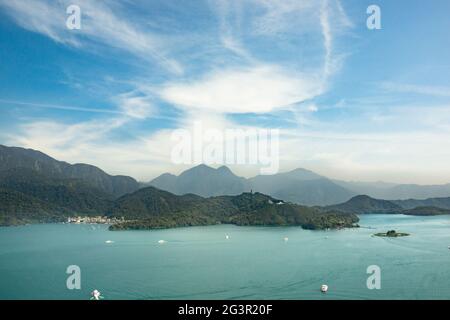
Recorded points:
366,205
37,188
299,186
203,181
392,191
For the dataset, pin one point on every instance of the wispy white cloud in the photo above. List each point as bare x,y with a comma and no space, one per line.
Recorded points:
58,107
256,89
284,16
416,89
327,37
256,85
252,85
100,24
313,108
129,105
229,14
50,134
135,106
334,22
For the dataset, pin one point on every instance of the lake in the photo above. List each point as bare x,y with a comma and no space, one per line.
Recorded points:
254,263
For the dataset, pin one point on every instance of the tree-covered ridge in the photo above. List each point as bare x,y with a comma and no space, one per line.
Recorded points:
151,208
20,158
443,203
426,211
365,204
71,194
17,208
29,196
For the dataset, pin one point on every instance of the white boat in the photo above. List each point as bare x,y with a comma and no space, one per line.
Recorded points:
324,288
109,241
96,295
227,237
286,239
162,241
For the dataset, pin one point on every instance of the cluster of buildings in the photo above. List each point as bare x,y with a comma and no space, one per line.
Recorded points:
93,220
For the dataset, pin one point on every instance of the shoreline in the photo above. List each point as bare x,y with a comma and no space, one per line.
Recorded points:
103,220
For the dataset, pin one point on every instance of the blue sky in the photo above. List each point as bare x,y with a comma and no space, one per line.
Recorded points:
351,103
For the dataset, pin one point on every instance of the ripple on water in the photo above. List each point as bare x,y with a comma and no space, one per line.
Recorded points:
199,263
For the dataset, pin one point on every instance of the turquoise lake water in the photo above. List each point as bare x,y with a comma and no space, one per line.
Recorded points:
254,263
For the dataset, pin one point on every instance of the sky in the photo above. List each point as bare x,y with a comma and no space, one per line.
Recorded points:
349,102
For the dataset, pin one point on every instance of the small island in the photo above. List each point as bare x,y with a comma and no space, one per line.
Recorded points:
391,234
426,211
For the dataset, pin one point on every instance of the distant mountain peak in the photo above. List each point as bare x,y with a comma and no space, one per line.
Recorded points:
224,169
301,170
167,174
199,168
202,166
203,180
362,197
205,169
304,174
363,204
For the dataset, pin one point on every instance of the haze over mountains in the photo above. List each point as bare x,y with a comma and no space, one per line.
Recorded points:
203,181
392,191
24,169
37,188
298,186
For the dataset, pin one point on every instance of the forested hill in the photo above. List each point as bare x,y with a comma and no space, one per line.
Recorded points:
151,208
20,158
